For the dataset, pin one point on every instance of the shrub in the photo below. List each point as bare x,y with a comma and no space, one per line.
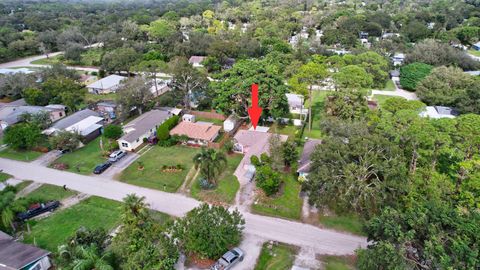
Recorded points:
113,132
268,180
22,136
255,161
412,74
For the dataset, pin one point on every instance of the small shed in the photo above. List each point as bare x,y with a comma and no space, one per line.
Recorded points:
230,123
188,118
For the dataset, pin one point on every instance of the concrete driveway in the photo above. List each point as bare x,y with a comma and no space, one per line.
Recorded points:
119,166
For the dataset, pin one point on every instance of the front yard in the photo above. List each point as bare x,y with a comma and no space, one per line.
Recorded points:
4,177
19,155
276,256
83,160
154,174
348,223
50,192
93,212
227,188
287,204
381,99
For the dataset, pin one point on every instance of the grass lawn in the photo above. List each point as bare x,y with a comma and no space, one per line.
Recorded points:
287,205
50,192
228,184
49,61
19,155
389,86
349,223
474,52
280,257
338,262
88,58
4,177
83,160
317,112
290,130
152,176
93,212
94,97
381,99
23,185
211,120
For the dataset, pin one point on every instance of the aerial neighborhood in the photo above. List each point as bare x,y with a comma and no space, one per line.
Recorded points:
256,135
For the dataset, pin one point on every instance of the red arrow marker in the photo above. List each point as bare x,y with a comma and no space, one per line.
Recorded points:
254,111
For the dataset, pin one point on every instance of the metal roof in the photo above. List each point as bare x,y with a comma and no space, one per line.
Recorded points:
16,255
107,82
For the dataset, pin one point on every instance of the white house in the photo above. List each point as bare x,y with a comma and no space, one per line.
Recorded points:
398,59
437,112
109,84
188,118
196,61
295,103
141,128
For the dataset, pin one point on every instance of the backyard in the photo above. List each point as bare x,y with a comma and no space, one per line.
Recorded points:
93,212
290,130
287,204
317,112
154,175
83,160
276,256
19,155
89,97
227,188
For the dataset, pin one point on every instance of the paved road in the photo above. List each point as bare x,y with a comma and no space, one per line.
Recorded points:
295,233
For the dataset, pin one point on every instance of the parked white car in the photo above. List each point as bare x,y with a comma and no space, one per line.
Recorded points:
229,259
117,155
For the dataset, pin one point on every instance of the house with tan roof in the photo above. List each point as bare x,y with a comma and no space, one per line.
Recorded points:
200,133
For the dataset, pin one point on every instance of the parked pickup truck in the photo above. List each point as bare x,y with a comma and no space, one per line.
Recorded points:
228,260
37,209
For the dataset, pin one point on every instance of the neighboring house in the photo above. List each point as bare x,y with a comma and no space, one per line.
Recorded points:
198,133
398,59
436,112
160,88
251,143
196,61
109,84
86,122
363,35
230,123
8,71
476,46
107,109
228,63
395,76
304,163
295,103
390,35
11,114
18,256
143,127
473,72
189,118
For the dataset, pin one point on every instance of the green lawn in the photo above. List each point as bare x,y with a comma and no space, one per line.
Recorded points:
152,176
389,86
4,177
211,120
280,257
90,57
349,223
94,97
474,52
317,112
227,188
23,185
50,61
93,212
290,130
50,192
19,155
287,205
83,160
381,99
338,262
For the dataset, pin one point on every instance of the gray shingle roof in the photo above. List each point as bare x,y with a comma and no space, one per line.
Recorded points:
74,118
11,114
143,123
16,255
107,82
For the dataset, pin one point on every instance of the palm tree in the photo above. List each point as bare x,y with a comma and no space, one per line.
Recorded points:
134,205
8,208
211,163
86,257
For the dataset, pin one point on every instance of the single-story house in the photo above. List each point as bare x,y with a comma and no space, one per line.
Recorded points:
106,85
11,114
398,59
230,123
476,46
8,71
189,118
295,103
19,256
107,109
196,61
437,112
160,88
142,127
86,122
251,143
305,162
198,133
